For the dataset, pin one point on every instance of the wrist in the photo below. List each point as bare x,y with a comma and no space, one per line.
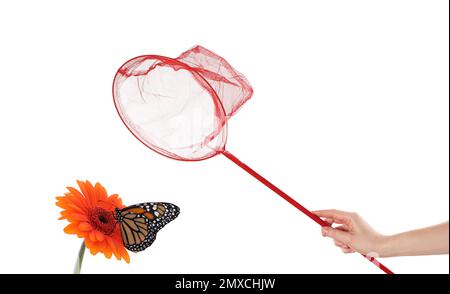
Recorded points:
386,246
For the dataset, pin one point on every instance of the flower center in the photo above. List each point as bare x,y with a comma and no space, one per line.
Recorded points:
102,220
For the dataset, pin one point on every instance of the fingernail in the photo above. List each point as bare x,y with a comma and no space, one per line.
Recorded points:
325,231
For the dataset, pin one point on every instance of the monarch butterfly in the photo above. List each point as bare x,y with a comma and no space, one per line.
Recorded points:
139,223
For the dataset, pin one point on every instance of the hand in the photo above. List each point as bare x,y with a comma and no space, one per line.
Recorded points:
353,233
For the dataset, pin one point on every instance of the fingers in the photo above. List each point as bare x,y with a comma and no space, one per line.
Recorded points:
343,247
347,250
344,228
341,236
330,213
339,244
337,216
329,221
337,234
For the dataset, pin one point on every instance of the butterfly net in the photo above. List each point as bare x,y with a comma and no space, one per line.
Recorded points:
179,106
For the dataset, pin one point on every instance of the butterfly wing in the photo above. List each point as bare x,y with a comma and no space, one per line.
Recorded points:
139,223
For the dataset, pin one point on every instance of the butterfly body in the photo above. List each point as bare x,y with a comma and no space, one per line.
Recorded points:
140,223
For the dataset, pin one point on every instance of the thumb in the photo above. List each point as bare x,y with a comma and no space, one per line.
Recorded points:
336,234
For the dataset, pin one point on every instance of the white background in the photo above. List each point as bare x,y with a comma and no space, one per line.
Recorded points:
350,111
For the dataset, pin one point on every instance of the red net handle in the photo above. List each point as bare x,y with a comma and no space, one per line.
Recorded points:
294,203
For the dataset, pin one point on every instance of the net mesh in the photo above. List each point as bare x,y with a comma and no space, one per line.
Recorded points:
179,107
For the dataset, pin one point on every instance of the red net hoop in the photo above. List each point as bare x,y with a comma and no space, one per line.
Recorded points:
179,107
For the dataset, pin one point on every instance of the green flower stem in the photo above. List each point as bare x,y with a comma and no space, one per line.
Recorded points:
77,268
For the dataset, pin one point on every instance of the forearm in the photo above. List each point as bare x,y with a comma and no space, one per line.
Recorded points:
426,241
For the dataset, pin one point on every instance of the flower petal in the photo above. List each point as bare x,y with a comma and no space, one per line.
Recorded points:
84,226
83,189
71,228
73,216
113,246
77,208
99,236
107,250
125,255
76,197
79,217
94,250
116,201
82,234
92,236
101,192
89,243
91,192
61,204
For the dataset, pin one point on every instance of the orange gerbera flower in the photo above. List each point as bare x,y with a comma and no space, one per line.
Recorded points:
91,216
